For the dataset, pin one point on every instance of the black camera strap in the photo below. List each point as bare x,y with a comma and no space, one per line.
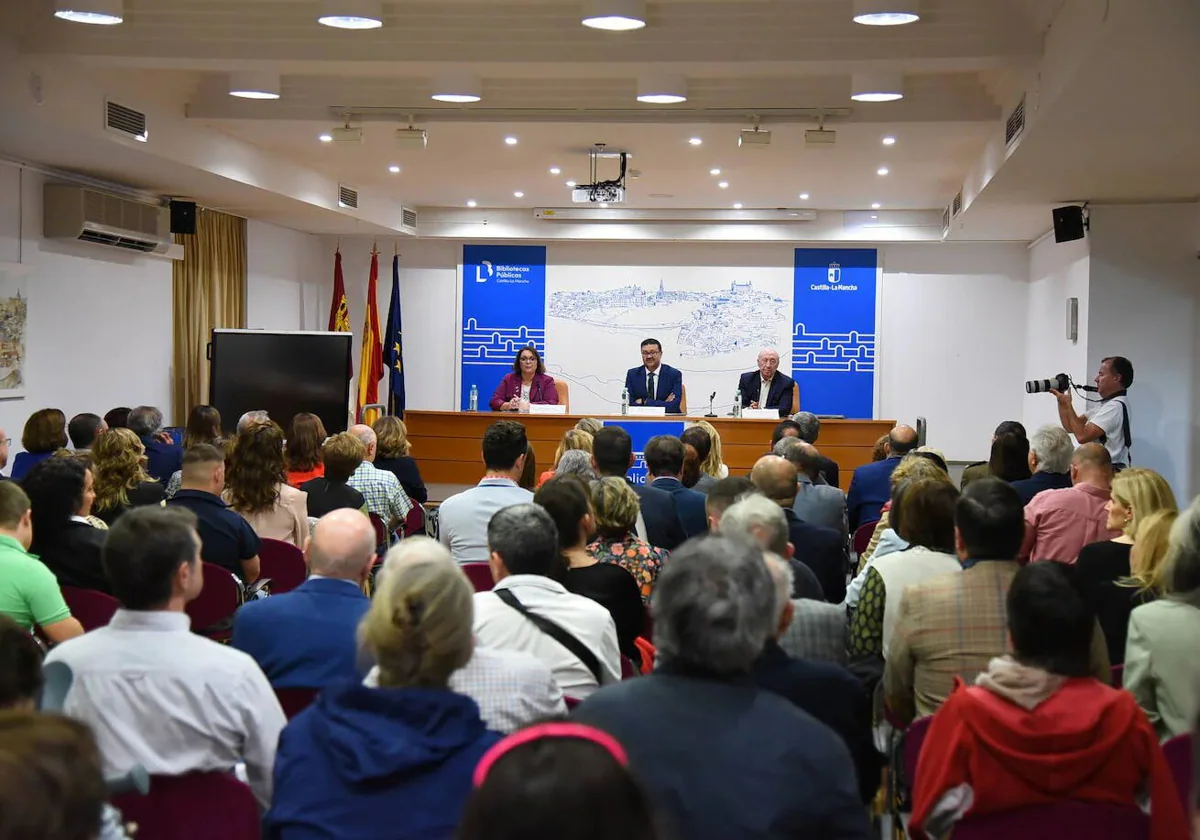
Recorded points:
556,632
1119,396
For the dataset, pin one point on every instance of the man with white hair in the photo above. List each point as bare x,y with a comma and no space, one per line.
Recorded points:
1050,451
306,638
163,457
385,497
767,387
762,521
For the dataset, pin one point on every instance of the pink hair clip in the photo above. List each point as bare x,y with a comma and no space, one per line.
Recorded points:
548,730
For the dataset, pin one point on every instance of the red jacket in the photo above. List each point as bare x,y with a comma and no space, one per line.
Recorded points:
1087,742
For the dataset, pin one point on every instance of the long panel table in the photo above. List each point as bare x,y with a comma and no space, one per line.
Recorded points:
446,443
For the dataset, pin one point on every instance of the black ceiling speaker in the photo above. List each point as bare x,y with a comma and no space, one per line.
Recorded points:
183,217
1069,223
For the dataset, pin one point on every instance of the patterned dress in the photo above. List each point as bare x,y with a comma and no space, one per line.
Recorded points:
636,556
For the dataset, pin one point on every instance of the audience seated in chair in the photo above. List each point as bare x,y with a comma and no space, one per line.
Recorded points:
720,757
303,449
61,493
44,434
256,486
983,469
816,503
341,457
84,429
616,508
227,540
573,440
363,758
664,466
20,667
154,693
203,426
1050,451
384,496
870,487
612,455
808,430
1035,728
121,480
698,442
395,456
761,520
306,638
1059,523
163,456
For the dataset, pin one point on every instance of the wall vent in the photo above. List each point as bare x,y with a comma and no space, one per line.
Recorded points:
125,121
1015,124
408,220
956,207
347,197
946,216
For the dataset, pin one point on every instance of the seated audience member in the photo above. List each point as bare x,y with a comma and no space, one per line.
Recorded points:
557,779
721,757
528,610
395,456
1161,667
1105,567
983,469
690,476
923,515
1035,728
724,494
399,754
341,456
51,784
809,429
826,691
700,443
577,463
712,465
953,625
29,594
529,473
786,428
870,487
756,518
84,429
616,508
664,468
816,504
20,667
612,455
1010,458
511,687
463,518
60,494
591,425
572,440
381,489
226,538
203,426
526,383
162,456
880,450
1059,523
305,638
45,433
252,418
155,693
256,486
1050,451
302,451
823,550
121,480
117,418
569,503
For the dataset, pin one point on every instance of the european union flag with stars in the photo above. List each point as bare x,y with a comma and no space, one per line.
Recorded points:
393,346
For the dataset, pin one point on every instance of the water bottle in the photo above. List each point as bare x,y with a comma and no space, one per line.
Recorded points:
737,403
473,404
624,401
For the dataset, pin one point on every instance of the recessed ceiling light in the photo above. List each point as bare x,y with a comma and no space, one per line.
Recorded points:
351,14
554,170
662,90
394,169
875,206
459,89
325,138
614,15
883,170
723,185
886,12
95,12
804,196
518,194
695,141
511,141
471,203
254,85
737,206
571,184
889,141
714,172
877,87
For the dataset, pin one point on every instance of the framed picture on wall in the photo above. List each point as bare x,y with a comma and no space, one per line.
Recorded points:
13,319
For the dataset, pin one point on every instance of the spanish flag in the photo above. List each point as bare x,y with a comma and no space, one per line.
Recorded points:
339,309
370,361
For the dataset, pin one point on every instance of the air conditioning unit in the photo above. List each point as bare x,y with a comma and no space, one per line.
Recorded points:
87,215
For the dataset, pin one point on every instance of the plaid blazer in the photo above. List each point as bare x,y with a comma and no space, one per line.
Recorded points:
818,631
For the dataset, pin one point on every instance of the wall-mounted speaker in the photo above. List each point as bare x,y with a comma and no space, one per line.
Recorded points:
1073,319
183,217
1069,223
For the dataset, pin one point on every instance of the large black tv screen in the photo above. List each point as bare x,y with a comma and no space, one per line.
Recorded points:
283,372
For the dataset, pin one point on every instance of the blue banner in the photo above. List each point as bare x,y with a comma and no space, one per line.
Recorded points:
833,336
503,310
640,432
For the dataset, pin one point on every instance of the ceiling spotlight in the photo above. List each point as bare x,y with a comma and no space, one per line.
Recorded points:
518,194
889,141
662,90
96,12
394,169
325,137
804,196
471,203
351,14
554,170
456,89
614,15
723,185
876,205
883,170
886,12
511,141
254,85
877,87
571,184
737,206
714,172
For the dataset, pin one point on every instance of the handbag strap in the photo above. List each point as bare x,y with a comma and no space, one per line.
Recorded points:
554,631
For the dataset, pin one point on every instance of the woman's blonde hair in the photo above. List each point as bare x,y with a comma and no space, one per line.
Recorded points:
1143,492
1148,571
616,506
572,439
119,466
918,468
419,625
392,435
713,463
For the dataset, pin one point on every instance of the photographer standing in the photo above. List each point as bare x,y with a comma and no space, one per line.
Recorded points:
1107,422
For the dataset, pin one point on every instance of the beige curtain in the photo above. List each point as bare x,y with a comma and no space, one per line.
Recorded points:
209,292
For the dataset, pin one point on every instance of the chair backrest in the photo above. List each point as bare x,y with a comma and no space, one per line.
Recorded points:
914,739
564,393
381,537
480,575
795,398
414,523
862,536
283,563
195,806
219,599
628,669
293,701
1178,751
56,685
571,702
683,400
93,609
1118,676
1093,820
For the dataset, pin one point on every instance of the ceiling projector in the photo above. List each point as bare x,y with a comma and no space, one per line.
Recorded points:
598,194
413,139
755,137
347,134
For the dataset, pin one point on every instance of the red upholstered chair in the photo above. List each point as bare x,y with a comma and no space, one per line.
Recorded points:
480,575
914,739
1178,751
93,609
571,702
1093,820
218,600
381,534
414,523
628,669
295,700
862,536
283,563
195,806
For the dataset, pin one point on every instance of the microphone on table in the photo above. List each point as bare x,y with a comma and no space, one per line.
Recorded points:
711,397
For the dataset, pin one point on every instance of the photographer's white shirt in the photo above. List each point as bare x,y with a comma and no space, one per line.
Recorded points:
1111,420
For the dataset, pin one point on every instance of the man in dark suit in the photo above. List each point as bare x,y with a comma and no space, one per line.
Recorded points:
767,387
871,486
655,384
664,464
163,457
808,426
306,638
612,455
737,509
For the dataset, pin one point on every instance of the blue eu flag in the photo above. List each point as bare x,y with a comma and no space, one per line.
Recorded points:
393,346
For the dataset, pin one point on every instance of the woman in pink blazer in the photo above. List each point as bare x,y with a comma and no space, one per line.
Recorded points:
528,381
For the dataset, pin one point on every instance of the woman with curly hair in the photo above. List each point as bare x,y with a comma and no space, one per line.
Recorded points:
256,486
303,449
121,478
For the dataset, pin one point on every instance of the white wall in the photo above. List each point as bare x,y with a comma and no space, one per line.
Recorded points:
287,281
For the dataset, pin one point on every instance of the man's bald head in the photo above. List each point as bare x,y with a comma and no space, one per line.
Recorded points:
902,440
366,436
342,545
1091,464
775,478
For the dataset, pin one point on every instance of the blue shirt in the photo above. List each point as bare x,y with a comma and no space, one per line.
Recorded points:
227,539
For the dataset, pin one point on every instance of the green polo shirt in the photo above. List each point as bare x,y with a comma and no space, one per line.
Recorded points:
29,592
